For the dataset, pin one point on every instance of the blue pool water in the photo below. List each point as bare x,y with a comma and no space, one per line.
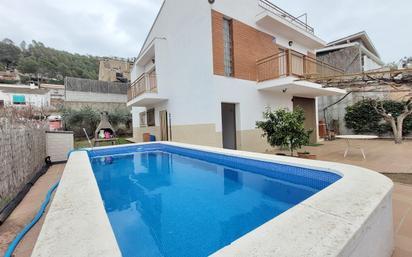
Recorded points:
170,201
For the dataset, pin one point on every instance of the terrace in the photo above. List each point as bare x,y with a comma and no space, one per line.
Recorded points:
291,63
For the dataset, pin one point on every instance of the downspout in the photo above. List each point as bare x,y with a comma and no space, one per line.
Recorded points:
327,107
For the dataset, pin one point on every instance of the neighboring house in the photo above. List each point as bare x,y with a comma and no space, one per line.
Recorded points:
24,96
352,54
206,72
100,95
114,70
56,94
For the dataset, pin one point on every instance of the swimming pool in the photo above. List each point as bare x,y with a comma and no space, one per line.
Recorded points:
170,201
231,203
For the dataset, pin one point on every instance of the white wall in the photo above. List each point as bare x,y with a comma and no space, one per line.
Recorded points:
370,64
36,100
252,103
76,96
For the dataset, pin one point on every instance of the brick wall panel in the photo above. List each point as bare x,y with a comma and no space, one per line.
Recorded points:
249,45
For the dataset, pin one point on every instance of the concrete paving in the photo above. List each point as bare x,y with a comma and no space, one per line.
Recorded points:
25,212
402,220
333,151
381,155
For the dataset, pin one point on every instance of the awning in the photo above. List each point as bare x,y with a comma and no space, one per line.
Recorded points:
292,86
19,99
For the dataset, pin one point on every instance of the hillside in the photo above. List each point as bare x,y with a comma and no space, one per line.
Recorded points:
39,61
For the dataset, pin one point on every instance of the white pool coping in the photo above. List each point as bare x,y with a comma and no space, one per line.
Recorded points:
352,217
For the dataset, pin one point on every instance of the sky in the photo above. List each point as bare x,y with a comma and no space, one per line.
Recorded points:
119,27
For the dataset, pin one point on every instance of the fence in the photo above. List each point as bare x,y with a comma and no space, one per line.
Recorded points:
22,155
95,86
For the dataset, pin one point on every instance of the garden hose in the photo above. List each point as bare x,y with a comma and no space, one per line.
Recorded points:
19,237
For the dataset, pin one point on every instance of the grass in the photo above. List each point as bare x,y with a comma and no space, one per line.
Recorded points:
84,143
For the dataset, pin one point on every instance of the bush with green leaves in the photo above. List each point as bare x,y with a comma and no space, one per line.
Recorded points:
89,118
120,116
76,120
362,117
285,129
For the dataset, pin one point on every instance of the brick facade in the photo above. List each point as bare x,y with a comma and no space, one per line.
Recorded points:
249,45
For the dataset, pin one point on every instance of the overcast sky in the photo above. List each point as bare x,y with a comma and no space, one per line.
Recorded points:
119,27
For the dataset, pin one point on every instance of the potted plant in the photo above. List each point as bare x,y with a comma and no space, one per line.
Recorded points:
285,129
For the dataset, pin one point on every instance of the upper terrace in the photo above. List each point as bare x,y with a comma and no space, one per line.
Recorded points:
269,6
274,19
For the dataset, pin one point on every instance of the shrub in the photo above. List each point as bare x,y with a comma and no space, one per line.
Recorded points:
362,117
120,116
76,120
89,118
285,129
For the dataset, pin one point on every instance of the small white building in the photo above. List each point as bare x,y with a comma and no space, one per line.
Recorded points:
208,70
22,96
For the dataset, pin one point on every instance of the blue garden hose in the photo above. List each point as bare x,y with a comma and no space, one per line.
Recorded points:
27,228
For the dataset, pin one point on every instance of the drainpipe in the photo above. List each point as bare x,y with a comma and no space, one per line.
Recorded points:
327,107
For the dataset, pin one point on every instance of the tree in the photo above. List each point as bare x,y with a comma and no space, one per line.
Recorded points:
9,53
28,65
285,129
395,120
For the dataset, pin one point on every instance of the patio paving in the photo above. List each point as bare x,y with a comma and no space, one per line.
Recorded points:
25,212
333,151
383,156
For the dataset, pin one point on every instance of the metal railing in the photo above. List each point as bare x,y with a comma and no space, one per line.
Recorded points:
292,63
146,83
269,6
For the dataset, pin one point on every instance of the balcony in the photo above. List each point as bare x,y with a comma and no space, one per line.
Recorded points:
292,63
284,73
144,91
267,5
279,22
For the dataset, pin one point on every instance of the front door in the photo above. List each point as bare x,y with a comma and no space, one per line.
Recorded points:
309,108
164,131
229,126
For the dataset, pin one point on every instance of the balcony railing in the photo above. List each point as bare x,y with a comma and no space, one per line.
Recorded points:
146,83
291,63
269,6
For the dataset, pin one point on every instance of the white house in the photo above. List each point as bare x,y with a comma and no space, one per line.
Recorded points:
353,54
208,70
22,95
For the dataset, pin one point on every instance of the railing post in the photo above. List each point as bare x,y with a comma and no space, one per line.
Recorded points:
289,62
304,65
147,83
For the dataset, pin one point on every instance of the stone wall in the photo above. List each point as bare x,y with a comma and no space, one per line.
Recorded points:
22,155
347,59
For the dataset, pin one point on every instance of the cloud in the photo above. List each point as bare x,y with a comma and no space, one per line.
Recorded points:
118,28
97,27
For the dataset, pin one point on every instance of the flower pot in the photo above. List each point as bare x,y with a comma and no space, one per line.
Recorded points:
307,156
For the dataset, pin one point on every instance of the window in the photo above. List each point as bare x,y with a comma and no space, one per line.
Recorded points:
228,46
19,100
143,119
151,118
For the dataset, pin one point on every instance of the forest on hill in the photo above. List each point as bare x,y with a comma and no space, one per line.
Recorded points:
35,60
